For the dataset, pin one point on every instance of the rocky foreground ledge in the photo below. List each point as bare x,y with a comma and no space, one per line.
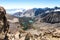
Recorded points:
44,33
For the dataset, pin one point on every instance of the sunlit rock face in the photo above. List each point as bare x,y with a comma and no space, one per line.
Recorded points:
3,23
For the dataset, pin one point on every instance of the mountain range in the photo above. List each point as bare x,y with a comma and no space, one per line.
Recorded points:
31,12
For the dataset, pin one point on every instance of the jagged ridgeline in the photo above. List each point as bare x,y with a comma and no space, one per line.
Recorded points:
3,23
51,17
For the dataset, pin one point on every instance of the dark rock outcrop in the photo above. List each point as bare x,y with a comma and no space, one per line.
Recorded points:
3,23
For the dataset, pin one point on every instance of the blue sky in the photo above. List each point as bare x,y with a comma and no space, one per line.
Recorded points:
27,4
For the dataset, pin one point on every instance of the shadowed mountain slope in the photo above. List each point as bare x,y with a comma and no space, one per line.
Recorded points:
51,17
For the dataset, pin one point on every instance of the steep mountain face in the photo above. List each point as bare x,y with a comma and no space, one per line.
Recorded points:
30,12
52,17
